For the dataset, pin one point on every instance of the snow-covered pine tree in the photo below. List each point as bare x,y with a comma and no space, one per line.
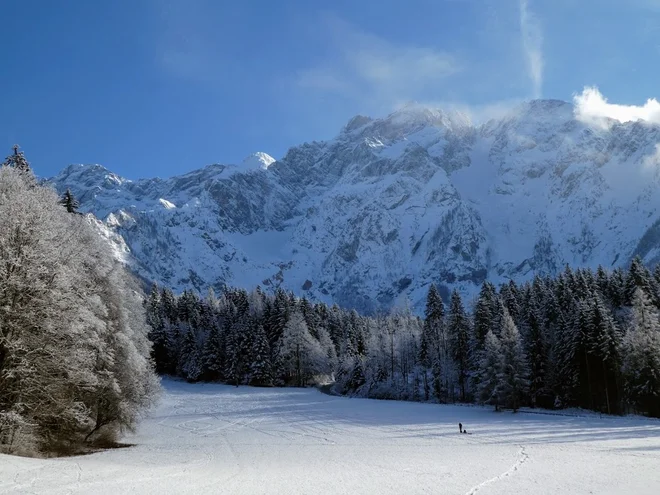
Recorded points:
603,283
537,350
514,373
603,348
334,326
641,357
190,365
212,356
69,202
188,306
484,314
261,373
152,307
236,360
278,317
639,277
567,352
257,302
617,288
656,275
509,294
458,328
582,322
434,319
433,334
169,305
17,161
490,371
329,348
308,313
159,334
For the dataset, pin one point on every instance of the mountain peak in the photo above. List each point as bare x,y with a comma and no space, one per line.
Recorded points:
88,173
257,161
414,116
417,197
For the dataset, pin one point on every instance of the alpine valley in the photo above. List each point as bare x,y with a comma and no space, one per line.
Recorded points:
372,217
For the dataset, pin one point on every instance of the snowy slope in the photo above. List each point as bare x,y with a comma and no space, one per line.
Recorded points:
393,204
221,439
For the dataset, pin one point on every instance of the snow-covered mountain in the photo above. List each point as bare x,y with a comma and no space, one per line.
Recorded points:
391,205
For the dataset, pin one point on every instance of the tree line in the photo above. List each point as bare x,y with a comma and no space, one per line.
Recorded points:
75,366
581,339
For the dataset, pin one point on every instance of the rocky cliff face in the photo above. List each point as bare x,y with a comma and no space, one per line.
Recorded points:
393,204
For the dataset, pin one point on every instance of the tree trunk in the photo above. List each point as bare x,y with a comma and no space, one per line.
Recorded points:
607,391
591,394
392,356
426,385
298,371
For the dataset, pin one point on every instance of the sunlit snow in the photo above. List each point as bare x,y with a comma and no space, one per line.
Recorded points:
167,204
222,439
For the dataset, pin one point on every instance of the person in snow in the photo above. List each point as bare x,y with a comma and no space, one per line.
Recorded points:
460,427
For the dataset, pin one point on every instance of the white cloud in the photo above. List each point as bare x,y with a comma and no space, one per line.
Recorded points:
652,162
367,68
593,108
532,40
477,113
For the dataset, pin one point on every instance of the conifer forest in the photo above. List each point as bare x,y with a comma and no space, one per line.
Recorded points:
582,339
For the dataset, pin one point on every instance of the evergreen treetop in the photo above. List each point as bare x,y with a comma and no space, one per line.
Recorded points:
17,160
70,202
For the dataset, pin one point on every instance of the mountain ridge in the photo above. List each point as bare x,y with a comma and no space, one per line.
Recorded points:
390,205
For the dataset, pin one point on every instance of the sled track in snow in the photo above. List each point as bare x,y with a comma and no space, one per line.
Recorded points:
522,458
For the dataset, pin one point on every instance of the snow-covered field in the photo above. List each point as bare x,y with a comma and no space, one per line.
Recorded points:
221,439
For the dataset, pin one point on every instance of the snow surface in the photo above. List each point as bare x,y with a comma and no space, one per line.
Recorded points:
222,439
256,161
391,205
168,205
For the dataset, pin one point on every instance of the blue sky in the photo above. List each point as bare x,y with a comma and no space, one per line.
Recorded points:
161,87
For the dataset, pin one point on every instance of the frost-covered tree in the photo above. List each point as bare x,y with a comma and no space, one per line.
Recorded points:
639,277
17,161
603,347
261,372
69,202
212,357
302,355
190,363
458,328
74,353
641,362
537,350
514,373
237,354
485,314
490,371
434,345
568,328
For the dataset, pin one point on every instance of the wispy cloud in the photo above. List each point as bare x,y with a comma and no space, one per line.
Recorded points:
365,67
532,41
477,113
652,161
593,108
